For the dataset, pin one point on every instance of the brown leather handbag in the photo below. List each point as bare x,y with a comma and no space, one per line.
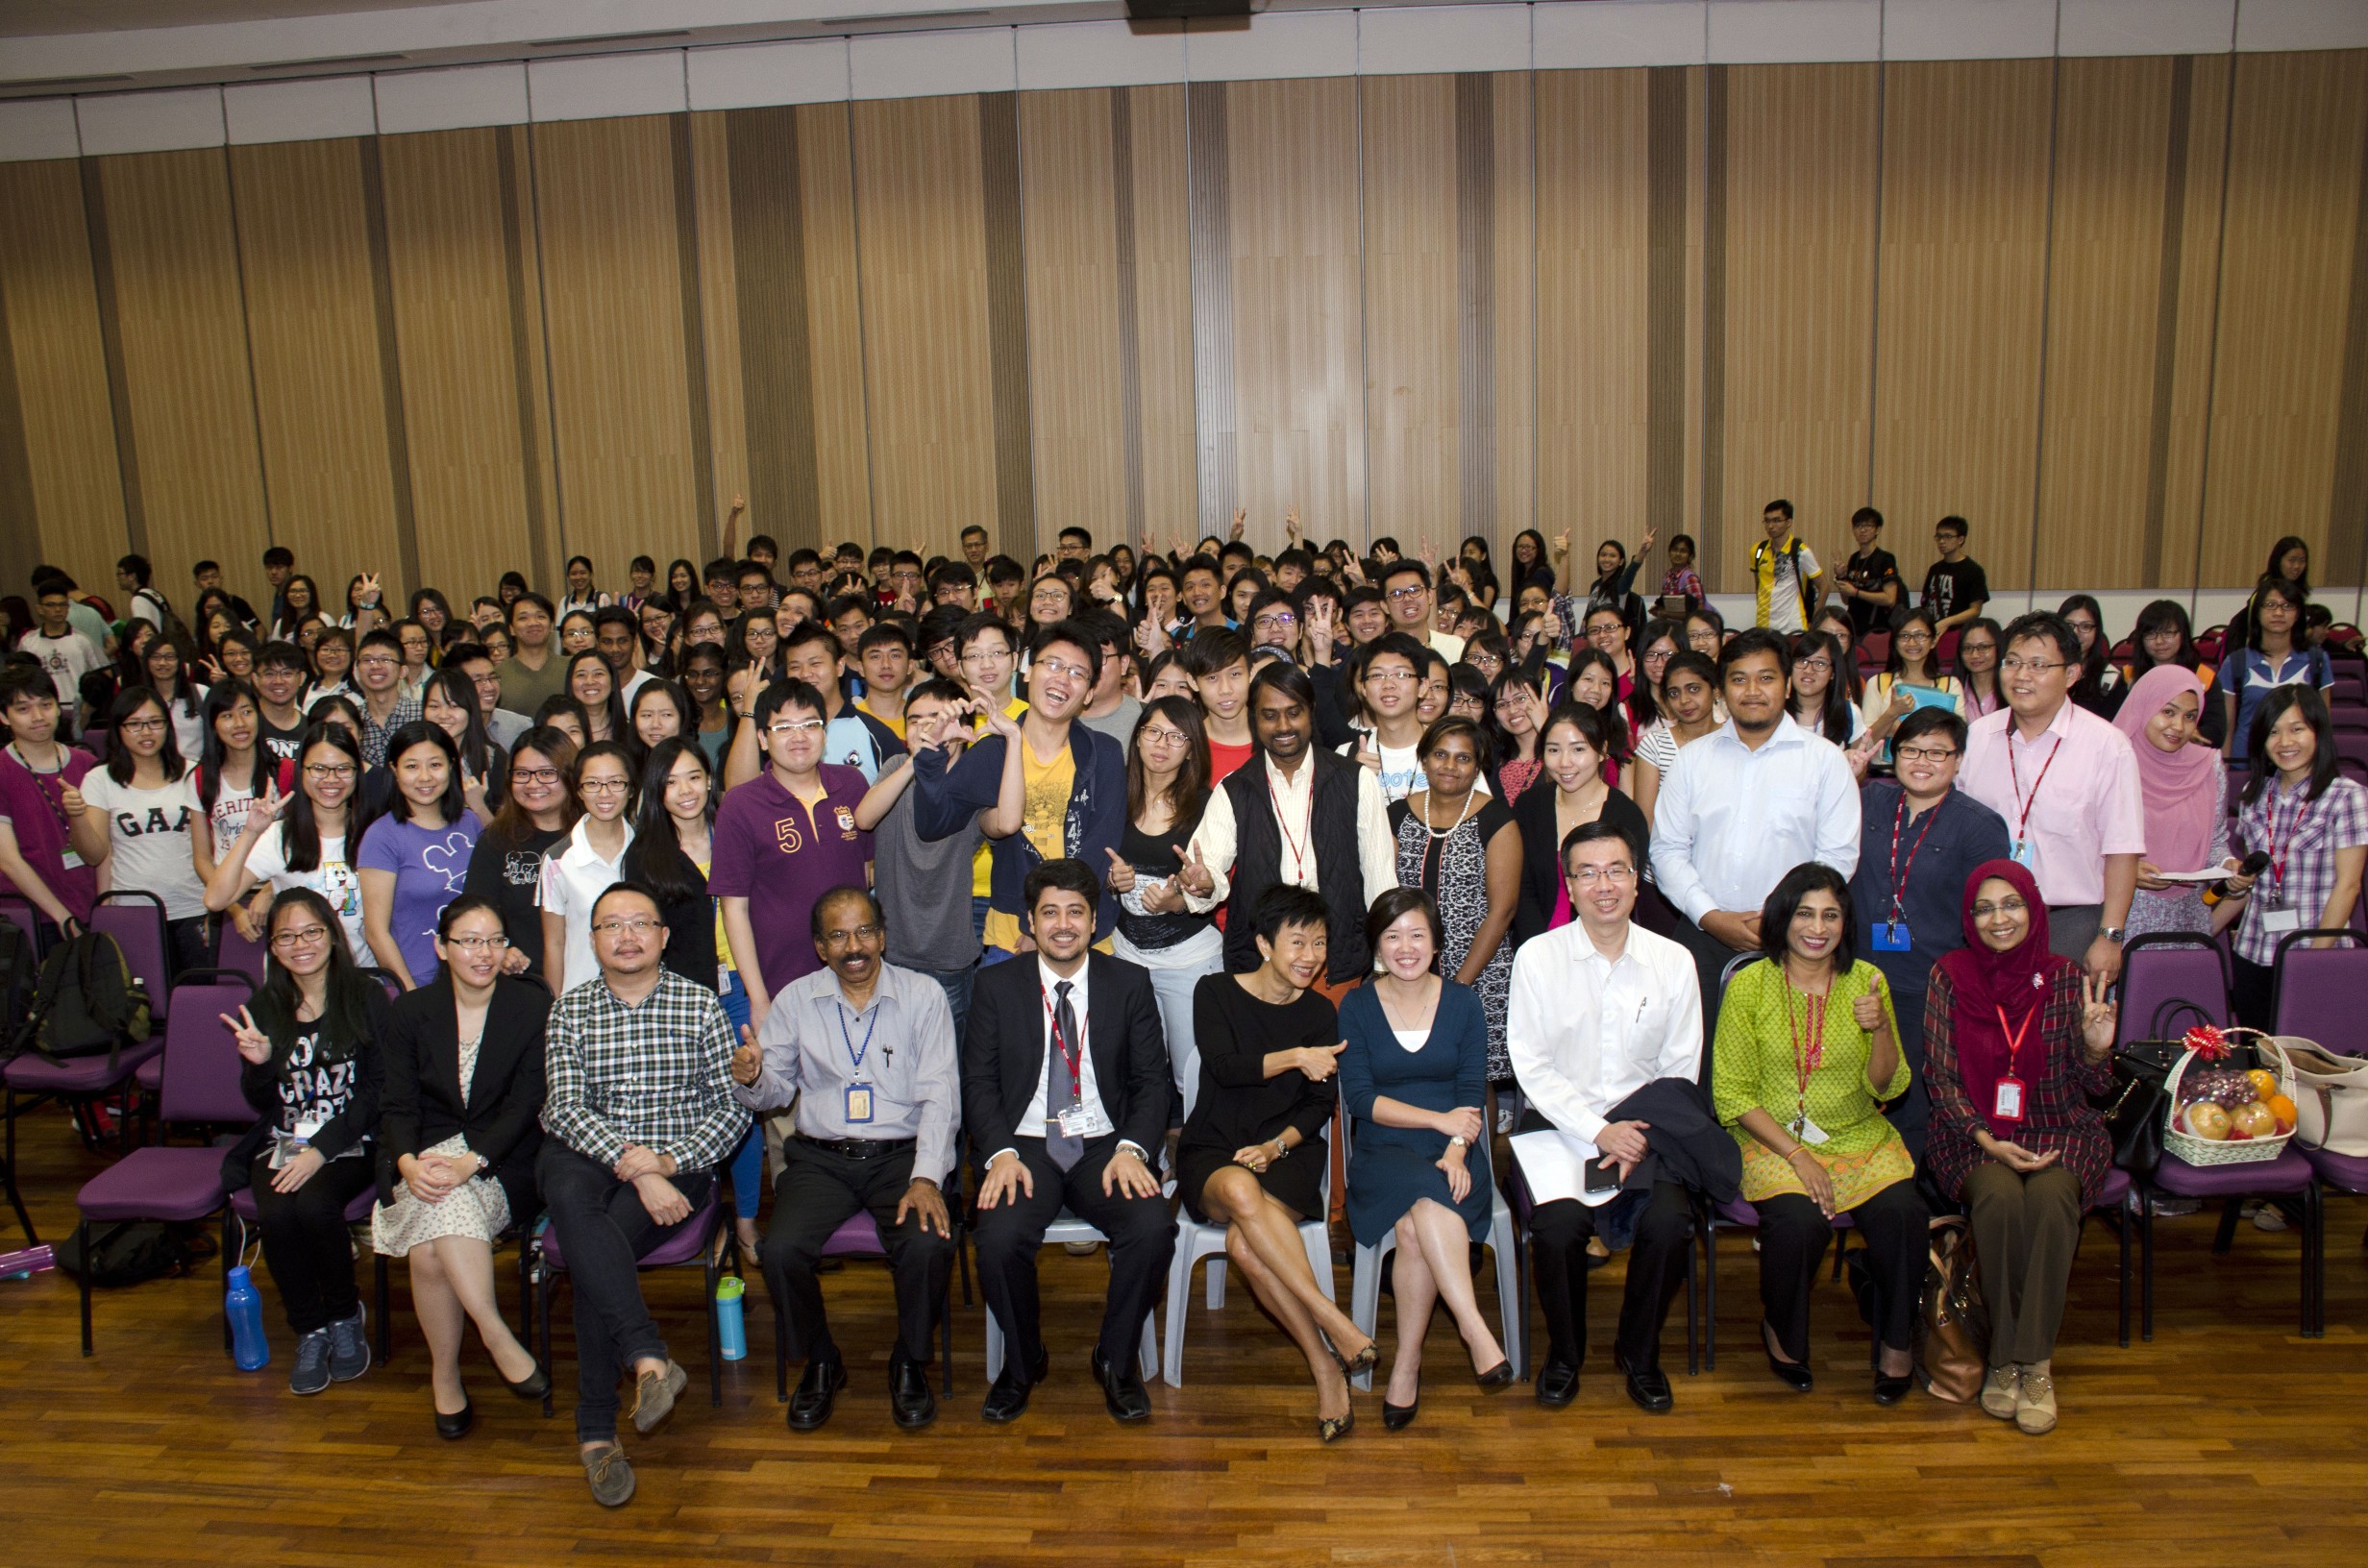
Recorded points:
1952,1349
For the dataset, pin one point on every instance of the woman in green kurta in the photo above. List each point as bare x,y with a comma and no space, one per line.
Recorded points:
1807,1050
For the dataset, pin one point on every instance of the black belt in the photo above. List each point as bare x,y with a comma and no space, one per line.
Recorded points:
863,1148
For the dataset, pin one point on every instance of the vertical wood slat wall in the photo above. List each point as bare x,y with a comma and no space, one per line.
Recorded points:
2115,311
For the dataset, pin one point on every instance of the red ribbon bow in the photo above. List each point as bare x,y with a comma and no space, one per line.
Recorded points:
2206,1041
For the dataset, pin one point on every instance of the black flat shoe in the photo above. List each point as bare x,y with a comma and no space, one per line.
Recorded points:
1331,1430
1496,1379
1398,1417
1794,1375
1649,1387
1891,1390
1558,1384
453,1428
1007,1399
533,1386
811,1405
909,1400
1122,1390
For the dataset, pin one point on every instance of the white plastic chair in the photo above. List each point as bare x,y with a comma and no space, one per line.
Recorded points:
1365,1286
1068,1228
1194,1240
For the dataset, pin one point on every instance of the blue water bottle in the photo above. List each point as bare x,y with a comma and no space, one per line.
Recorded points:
249,1349
729,1325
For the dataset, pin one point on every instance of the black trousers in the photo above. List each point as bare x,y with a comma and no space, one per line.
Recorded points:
1558,1236
1711,958
1792,1240
1009,1236
1912,1111
305,1242
605,1232
820,1190
2253,993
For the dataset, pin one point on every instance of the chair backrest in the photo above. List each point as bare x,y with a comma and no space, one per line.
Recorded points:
386,978
237,952
1735,965
136,922
2319,991
201,1055
22,912
2169,966
1874,649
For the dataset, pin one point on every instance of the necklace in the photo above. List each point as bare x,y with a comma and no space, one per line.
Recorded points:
1449,831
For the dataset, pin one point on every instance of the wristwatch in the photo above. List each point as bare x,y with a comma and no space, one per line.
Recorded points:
2114,934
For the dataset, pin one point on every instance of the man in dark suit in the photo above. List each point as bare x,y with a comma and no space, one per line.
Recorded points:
1065,1091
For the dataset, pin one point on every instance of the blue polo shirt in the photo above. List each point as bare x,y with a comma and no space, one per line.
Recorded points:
1934,863
2249,676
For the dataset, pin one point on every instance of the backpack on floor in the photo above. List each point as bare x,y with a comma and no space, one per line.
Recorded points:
134,1251
18,974
86,1003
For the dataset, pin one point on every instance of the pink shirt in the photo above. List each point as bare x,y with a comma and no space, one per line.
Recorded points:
2084,804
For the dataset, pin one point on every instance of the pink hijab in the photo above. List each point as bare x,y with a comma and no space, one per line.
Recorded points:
2183,791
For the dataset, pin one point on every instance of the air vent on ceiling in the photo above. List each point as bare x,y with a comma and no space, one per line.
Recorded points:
895,18
606,40
335,62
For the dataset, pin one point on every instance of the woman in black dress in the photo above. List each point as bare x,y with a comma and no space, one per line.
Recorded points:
1167,790
1252,1157
1415,1076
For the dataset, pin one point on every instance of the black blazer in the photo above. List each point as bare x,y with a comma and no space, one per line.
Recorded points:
1003,1051
420,1106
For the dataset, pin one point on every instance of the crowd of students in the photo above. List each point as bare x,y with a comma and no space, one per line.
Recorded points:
1132,871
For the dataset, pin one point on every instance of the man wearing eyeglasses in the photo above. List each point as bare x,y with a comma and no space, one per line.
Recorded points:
640,1096
1604,1026
781,838
2068,784
1406,590
867,1050
501,726
1919,838
378,669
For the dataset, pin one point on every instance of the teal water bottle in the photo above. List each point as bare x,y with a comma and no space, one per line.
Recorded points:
730,1328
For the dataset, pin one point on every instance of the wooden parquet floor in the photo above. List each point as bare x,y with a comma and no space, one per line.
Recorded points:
2227,1440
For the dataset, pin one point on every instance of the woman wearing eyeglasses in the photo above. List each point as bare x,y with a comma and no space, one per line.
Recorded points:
458,1136
415,859
575,877
506,866
135,816
300,840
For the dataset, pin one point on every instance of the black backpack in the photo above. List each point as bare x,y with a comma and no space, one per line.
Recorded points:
86,1003
136,1250
17,972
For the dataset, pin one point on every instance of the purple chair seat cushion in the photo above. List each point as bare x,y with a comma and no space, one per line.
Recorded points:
2289,1172
687,1245
858,1237
2348,1172
34,1073
155,1184
242,1202
2116,1189
150,1075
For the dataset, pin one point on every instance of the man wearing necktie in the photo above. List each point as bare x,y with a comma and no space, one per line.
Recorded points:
1065,1089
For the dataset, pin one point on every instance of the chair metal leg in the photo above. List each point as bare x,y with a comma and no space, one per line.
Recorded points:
945,1330
1710,1297
2121,1230
525,1293
2226,1236
1693,1351
1521,1285
82,1233
386,1337
2314,1260
16,1200
715,1330
542,1319
2146,1265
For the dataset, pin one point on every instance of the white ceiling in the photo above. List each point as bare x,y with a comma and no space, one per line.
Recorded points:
37,18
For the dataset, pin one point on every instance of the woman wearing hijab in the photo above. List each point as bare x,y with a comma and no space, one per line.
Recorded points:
2015,1041
2186,829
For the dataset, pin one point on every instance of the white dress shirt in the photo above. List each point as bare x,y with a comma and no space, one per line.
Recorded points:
1585,1031
573,882
1032,1120
1730,821
1218,837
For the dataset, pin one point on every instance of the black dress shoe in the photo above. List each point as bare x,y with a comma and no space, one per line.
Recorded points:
1122,1389
1891,1390
1558,1384
1794,1375
811,1405
453,1428
1496,1379
1007,1398
909,1399
1649,1387
1398,1417
533,1386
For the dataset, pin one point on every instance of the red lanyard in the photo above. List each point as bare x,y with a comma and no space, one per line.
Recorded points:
2278,854
1072,1051
1298,845
2014,1037
1808,1042
2014,777
1899,873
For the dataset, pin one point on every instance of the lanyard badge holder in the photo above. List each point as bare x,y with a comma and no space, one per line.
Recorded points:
858,1093
2276,918
1807,1056
1891,936
2007,1103
2025,855
1080,1120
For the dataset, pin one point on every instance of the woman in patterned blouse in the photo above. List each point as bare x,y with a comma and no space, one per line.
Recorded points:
1806,1048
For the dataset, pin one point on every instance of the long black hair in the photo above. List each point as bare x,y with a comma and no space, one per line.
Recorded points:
119,762
1834,715
2305,701
475,746
299,830
1188,792
420,732
345,1005
220,697
2162,615
2093,663
656,858
1615,721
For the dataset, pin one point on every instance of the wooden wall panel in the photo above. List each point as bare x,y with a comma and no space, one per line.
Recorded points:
1412,309
191,398
2295,146
834,326
1801,155
71,476
1164,317
303,238
921,216
620,378
1962,296
1076,366
1592,320
462,373
1516,262
2194,352
1298,366
719,296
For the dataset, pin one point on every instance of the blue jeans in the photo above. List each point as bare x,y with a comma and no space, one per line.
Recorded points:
957,984
747,1165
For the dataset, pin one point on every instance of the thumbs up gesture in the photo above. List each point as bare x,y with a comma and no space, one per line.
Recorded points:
746,1061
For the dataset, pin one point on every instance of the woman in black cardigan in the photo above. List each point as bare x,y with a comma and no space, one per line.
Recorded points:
458,1134
1568,792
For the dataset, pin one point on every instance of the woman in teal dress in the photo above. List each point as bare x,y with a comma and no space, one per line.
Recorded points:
1806,1052
1415,1076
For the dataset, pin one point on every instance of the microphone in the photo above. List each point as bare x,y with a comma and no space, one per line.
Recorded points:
2255,864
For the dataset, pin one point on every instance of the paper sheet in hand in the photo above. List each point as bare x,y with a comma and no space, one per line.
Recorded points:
1554,1165
2205,877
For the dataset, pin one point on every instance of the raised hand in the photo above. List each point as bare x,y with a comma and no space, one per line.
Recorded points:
1562,543
1321,617
1644,546
1867,1010
1122,878
1194,876
1429,554
253,1043
70,801
370,594
265,812
2098,1014
747,1063
1240,519
1291,525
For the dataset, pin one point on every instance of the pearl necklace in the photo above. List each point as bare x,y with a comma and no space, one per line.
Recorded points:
1451,826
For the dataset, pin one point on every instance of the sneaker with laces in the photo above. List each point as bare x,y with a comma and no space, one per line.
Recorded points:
2268,1216
2034,1399
311,1371
610,1476
1999,1391
349,1348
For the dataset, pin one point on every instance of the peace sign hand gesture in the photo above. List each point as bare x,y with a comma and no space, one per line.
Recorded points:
265,812
1240,519
2099,1016
253,1043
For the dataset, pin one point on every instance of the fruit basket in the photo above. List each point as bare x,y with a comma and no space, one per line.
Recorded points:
2221,1114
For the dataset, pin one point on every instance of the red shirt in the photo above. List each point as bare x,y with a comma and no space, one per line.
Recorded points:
1225,759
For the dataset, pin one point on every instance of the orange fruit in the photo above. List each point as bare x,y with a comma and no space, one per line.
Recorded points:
2284,1109
2264,1083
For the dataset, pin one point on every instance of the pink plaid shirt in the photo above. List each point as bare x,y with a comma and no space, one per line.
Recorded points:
2073,793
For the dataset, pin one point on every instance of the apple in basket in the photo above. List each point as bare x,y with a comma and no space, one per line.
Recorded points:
2207,1119
2253,1120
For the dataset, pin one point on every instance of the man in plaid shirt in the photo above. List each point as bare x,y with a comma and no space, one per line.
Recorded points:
640,1110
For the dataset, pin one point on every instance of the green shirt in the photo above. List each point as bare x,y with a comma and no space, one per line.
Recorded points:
1753,1062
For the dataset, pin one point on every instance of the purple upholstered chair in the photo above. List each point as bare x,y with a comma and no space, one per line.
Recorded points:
2287,1177
1519,1203
1734,1215
2319,989
199,1085
859,1238
358,1211
237,952
136,922
691,1245
20,910
34,1079
2166,967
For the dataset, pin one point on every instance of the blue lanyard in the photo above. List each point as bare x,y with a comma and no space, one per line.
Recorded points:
855,1054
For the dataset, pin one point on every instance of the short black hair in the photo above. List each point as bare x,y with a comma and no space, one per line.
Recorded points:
2305,701
2042,625
1213,648
1779,504
1403,565
1287,904
980,623
1060,877
831,896
881,634
1076,635
786,693
1756,640
1954,525
973,527
1081,535
528,599
1393,906
282,655
279,556
1923,722
1284,676
1598,832
1867,514
1776,915
638,890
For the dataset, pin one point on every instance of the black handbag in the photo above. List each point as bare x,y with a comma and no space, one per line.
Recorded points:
2135,1112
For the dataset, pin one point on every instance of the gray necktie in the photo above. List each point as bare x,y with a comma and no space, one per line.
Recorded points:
1063,1150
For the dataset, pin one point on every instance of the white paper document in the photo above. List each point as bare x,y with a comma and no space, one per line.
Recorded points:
1554,1165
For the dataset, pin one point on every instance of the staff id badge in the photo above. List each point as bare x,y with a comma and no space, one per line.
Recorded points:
2010,1102
858,1104
1891,936
1084,1121
68,858
2026,855
1808,1132
2278,921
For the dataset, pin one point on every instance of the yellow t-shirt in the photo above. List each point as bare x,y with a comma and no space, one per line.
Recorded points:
1044,815
982,863
723,942
895,724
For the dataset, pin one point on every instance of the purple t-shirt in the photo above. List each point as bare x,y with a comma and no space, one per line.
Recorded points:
772,851
29,803
431,866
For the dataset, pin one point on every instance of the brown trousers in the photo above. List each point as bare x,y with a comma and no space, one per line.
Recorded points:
2025,1230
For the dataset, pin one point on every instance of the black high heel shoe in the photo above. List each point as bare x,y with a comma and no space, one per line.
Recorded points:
1496,1379
455,1426
1331,1430
533,1386
1794,1375
1398,1417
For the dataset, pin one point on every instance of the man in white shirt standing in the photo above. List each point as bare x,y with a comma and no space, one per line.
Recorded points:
66,654
1600,1008
1745,804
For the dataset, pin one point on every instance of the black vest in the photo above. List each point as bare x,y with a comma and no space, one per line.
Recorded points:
1258,861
